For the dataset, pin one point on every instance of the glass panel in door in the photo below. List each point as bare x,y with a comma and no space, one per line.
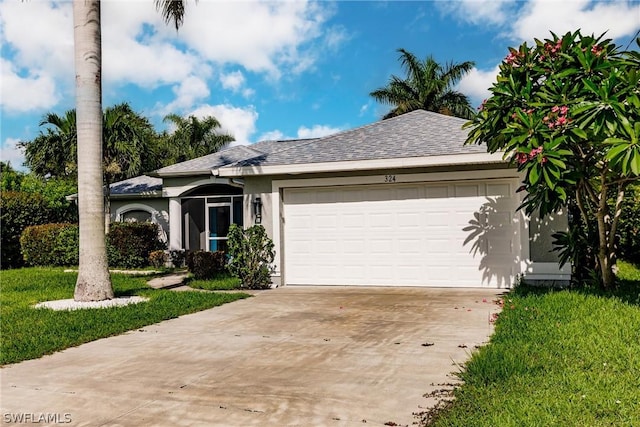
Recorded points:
219,222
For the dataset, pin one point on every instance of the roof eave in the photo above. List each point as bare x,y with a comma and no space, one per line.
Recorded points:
180,174
145,195
355,165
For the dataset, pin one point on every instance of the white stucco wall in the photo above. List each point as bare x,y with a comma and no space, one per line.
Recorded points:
159,209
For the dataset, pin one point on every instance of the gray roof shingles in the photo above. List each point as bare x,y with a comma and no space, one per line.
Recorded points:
416,134
142,185
206,163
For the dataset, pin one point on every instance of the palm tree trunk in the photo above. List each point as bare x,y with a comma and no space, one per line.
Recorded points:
94,283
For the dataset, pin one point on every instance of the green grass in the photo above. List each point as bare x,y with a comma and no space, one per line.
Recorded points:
28,333
557,358
223,282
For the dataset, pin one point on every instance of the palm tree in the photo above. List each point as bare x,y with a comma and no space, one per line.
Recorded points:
428,86
194,137
94,282
129,145
53,152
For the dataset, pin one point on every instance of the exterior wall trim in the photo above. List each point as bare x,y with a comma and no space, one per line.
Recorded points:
137,207
179,190
355,165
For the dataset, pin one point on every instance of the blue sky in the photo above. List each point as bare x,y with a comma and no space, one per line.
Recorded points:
269,70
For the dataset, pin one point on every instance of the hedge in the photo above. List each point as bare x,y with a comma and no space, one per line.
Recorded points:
629,226
206,265
128,244
18,210
50,245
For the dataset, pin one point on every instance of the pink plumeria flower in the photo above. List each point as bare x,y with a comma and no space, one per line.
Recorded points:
521,158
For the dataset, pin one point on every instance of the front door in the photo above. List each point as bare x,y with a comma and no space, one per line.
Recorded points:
218,220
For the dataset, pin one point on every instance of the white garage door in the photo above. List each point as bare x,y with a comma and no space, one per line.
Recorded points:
462,234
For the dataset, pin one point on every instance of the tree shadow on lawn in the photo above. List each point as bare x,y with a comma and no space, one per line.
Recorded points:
132,292
626,290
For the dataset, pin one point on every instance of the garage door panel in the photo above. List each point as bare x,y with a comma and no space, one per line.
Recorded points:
449,234
437,192
467,190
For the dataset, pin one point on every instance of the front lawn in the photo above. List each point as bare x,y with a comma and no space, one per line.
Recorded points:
224,282
28,333
557,358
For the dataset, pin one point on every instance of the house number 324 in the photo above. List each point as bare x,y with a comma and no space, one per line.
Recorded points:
389,178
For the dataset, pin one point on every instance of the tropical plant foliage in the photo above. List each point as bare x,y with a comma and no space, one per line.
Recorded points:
27,199
251,253
428,85
131,145
567,111
193,137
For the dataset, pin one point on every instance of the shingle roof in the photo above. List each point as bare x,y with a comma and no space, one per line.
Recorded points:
416,134
206,163
142,185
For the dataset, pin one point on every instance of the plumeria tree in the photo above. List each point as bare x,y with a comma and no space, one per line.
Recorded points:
566,111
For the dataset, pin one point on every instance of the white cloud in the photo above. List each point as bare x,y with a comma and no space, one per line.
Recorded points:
22,94
37,64
317,131
478,11
41,35
10,152
189,92
335,37
538,17
235,82
524,21
239,122
134,52
274,135
138,48
260,36
476,83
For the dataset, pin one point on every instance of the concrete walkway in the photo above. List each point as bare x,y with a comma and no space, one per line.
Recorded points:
168,281
293,356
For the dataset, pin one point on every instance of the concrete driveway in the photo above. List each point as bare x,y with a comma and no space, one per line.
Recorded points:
294,356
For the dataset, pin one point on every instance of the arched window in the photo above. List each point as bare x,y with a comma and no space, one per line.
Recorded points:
136,215
137,212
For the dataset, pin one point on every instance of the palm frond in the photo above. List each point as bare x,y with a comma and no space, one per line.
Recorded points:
172,11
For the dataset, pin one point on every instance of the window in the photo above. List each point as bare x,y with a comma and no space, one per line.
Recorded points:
136,215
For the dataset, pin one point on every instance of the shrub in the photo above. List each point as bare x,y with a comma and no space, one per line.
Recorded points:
18,210
130,243
629,226
158,258
50,244
177,257
206,265
251,253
